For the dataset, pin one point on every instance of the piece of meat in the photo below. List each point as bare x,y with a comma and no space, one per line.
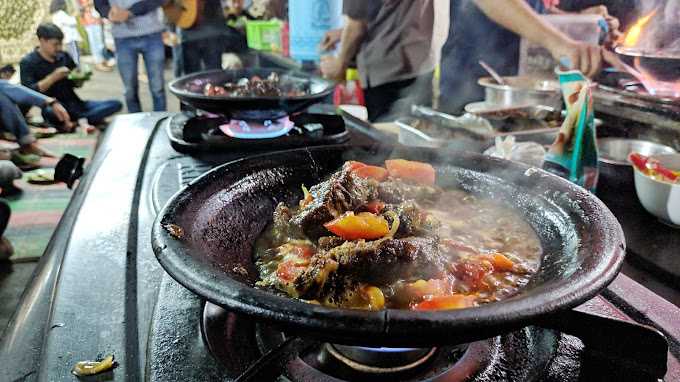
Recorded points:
341,193
413,220
379,262
395,191
282,228
327,242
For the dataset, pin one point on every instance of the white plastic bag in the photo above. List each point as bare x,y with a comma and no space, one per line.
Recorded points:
530,153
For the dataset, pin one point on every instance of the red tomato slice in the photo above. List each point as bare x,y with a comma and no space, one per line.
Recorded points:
410,170
500,262
374,172
353,165
455,301
363,225
288,270
639,161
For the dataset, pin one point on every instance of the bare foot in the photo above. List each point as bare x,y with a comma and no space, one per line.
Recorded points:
85,125
5,154
33,148
6,249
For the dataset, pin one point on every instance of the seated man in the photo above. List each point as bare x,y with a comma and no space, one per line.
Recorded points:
46,70
12,97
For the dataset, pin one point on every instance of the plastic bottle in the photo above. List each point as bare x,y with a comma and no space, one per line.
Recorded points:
349,92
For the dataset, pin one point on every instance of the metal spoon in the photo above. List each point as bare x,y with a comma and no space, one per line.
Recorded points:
492,72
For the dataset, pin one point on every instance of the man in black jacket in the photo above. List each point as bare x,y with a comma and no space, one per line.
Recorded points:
46,70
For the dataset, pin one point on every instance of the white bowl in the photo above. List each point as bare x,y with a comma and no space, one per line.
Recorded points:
661,199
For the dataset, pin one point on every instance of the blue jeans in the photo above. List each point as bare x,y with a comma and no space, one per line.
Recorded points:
12,121
152,50
94,111
95,37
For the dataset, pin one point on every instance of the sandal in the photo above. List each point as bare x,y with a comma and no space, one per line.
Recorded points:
25,162
43,132
42,176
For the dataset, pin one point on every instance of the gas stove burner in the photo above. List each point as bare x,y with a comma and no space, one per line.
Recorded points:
256,129
380,360
210,133
526,355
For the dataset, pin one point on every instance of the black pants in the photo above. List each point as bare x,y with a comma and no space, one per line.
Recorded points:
5,213
392,100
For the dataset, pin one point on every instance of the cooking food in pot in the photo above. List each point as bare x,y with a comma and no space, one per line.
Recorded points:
655,170
254,86
373,237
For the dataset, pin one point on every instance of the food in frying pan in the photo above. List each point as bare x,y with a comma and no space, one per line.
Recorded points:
375,237
254,87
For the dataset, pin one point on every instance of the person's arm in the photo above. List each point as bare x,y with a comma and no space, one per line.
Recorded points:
353,33
145,6
352,36
119,15
518,17
103,7
30,79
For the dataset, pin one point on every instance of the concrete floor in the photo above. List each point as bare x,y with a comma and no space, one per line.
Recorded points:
14,276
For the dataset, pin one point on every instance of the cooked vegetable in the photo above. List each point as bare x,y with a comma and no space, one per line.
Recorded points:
375,206
651,167
354,165
358,243
373,172
374,296
85,368
418,172
363,225
307,197
500,262
456,301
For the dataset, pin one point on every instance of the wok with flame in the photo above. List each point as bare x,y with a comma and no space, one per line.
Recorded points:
658,69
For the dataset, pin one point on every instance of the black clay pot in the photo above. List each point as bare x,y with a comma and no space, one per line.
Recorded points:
189,89
204,238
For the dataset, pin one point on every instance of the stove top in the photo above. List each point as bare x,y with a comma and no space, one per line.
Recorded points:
226,346
620,95
99,290
197,131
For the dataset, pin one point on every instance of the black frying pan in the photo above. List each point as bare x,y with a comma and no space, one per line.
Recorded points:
189,89
223,212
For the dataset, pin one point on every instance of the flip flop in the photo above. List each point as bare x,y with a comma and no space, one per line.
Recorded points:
42,176
44,132
26,162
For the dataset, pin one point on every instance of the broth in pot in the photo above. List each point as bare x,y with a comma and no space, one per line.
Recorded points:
375,237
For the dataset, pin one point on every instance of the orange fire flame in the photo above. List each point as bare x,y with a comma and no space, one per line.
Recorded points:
656,87
631,38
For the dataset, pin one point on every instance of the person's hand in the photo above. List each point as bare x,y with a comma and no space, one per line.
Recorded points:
330,39
581,56
332,68
118,14
612,22
60,112
60,73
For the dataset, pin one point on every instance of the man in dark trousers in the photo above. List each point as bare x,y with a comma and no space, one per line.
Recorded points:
392,40
204,42
46,70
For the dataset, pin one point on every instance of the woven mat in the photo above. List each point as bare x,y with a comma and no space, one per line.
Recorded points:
37,210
